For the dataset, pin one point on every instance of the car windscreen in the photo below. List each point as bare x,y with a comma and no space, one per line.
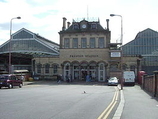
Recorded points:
3,77
111,79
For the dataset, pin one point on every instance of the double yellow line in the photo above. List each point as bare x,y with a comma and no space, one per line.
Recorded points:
107,111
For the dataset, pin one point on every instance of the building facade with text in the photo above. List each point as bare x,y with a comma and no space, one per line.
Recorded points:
84,50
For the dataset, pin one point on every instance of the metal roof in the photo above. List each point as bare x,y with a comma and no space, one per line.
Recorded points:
25,42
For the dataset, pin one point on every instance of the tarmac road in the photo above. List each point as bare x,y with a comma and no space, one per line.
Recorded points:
55,101
69,101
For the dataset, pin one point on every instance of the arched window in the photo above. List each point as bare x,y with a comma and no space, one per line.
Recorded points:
101,66
67,67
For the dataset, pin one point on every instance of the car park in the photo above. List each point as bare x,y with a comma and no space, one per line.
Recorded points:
113,81
10,80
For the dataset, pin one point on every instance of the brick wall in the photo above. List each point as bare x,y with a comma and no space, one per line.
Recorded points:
150,83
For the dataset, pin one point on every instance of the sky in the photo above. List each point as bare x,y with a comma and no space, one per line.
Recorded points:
45,16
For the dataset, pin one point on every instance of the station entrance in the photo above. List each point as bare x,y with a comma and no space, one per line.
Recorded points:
78,71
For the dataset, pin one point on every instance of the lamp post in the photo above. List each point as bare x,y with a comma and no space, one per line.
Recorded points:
10,42
121,41
112,15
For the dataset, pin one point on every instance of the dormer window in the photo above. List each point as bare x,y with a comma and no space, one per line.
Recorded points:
93,26
76,26
84,26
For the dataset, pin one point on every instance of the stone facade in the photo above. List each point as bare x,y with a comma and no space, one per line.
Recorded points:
84,52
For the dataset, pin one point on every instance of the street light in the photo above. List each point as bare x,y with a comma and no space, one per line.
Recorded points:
121,41
10,42
112,15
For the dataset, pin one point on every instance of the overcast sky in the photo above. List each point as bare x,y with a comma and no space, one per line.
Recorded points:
45,16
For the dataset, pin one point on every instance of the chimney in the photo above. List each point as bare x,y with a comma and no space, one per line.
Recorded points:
107,20
68,24
64,23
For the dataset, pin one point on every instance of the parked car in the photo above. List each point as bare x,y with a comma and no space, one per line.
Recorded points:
10,80
113,81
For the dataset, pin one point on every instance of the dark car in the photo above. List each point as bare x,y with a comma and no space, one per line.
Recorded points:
10,80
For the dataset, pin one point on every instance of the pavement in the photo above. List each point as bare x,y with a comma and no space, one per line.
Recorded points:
134,103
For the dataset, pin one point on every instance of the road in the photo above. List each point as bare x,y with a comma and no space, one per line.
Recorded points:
55,101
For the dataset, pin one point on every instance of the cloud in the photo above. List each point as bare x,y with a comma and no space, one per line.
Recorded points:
45,16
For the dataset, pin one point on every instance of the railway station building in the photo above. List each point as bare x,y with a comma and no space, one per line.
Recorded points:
84,48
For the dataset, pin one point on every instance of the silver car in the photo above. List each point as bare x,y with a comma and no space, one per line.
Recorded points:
113,81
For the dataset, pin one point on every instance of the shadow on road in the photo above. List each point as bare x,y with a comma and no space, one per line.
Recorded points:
44,82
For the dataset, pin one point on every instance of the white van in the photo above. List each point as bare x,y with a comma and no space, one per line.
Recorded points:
129,78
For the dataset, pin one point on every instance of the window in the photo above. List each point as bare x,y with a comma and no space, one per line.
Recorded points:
12,78
39,66
75,43
55,69
92,67
93,26
113,67
66,71
101,43
101,67
76,26
92,42
47,66
67,67
66,43
101,72
83,42
76,67
124,67
132,68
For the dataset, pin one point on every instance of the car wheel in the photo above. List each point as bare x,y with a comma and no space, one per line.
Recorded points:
10,86
20,86
0,87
